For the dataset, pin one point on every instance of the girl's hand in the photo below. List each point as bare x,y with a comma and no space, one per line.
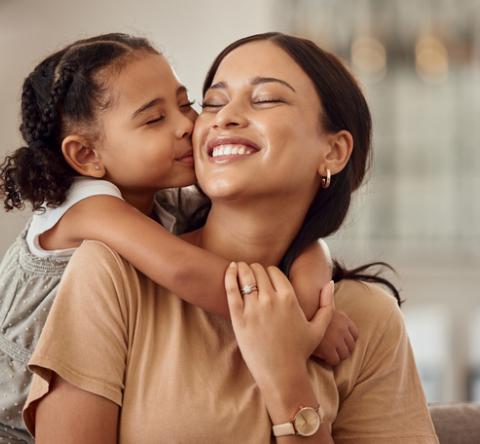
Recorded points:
339,339
272,332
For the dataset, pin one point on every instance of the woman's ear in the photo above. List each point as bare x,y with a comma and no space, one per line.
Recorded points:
82,157
340,149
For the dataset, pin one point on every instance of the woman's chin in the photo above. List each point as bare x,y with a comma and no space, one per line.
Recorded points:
223,190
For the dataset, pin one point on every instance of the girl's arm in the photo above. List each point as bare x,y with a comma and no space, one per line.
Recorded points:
70,415
276,340
194,274
309,273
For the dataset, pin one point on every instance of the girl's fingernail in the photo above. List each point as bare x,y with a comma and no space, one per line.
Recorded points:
232,264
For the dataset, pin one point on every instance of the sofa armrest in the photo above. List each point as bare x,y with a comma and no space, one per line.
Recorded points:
456,423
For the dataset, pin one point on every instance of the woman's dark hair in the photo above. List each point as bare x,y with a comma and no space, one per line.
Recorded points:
65,90
343,108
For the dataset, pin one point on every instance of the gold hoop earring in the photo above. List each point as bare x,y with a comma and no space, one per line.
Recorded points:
326,179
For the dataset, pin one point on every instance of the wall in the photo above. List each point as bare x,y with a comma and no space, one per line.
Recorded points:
189,32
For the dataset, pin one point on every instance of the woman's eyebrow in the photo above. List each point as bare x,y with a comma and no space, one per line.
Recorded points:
260,80
256,81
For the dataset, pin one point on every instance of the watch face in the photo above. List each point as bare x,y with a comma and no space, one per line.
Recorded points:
307,421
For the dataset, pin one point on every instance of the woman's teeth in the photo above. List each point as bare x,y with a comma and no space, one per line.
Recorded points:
231,150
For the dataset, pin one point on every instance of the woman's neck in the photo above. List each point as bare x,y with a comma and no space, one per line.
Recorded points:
141,200
259,232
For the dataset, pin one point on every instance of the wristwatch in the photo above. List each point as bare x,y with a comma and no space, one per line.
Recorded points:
306,422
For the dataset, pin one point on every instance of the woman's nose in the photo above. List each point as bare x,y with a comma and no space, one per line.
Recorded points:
229,116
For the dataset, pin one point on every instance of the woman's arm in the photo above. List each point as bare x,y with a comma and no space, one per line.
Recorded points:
70,415
276,340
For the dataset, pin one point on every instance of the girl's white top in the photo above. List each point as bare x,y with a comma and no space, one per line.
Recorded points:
43,221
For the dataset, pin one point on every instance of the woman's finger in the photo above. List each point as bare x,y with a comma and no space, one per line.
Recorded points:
327,295
263,280
279,281
234,298
323,316
247,282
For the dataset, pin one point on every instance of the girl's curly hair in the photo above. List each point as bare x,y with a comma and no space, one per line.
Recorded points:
62,91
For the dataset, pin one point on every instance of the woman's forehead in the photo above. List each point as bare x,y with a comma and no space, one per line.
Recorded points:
262,59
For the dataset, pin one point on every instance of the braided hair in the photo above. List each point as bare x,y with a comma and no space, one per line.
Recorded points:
65,90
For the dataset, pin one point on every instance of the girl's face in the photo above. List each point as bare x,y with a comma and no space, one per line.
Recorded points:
146,130
259,132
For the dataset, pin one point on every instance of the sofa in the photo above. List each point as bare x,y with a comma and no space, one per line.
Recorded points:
456,423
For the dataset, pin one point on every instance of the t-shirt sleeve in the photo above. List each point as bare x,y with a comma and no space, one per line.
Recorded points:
85,338
386,404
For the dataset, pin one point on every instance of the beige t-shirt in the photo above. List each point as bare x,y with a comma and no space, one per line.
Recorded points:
178,375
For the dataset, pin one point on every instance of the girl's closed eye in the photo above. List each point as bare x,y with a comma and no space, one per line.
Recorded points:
155,120
187,105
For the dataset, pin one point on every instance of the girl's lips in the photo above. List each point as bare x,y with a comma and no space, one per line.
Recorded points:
187,159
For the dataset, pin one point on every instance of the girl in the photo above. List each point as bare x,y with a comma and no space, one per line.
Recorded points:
106,125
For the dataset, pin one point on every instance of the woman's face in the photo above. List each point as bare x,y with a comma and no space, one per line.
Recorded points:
259,132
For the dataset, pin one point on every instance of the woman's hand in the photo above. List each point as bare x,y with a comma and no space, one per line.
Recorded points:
272,332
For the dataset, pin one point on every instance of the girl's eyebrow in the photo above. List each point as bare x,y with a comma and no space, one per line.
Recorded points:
157,101
148,105
256,81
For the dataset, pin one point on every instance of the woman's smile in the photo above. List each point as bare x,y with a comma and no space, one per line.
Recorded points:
226,149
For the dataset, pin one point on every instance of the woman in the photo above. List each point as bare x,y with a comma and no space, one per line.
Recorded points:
282,143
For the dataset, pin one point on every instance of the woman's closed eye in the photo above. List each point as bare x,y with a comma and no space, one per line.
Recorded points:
267,100
212,105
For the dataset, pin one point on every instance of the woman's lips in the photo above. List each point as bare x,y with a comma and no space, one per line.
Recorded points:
223,142
226,149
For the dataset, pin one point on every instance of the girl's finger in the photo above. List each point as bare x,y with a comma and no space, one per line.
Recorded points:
234,298
247,281
350,341
352,328
343,351
279,281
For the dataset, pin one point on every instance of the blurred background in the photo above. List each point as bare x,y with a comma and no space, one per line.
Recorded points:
418,62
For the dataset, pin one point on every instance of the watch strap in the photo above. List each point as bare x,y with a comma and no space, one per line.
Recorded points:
288,429
285,429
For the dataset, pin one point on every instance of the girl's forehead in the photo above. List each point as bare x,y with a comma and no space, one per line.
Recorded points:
143,78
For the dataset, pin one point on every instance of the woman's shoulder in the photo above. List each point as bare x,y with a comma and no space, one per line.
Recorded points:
94,257
368,305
